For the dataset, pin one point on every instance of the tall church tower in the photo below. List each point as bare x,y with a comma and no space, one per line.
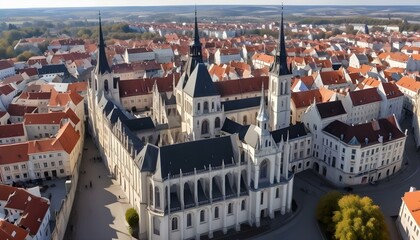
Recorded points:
279,88
198,101
103,81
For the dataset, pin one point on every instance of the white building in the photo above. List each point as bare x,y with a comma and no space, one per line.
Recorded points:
205,182
362,106
138,55
408,221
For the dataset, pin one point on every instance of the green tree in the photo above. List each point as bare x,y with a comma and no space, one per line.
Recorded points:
359,219
132,217
25,56
325,209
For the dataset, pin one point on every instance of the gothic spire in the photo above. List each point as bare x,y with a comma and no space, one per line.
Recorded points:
262,116
280,66
102,63
195,56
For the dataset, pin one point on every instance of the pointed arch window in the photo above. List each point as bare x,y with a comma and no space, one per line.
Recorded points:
217,122
206,107
264,170
157,197
106,87
205,127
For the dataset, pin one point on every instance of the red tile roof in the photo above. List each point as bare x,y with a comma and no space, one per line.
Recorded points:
142,86
365,96
12,130
391,90
383,127
19,110
44,118
306,98
10,231
13,153
241,86
5,64
332,77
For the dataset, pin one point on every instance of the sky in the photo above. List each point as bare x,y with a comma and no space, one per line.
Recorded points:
4,4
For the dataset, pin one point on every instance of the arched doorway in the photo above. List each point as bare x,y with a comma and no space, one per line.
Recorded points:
205,127
324,171
316,167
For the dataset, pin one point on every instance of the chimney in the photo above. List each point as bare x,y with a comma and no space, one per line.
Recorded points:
390,136
412,189
366,140
342,137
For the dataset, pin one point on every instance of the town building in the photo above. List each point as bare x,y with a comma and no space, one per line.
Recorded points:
408,221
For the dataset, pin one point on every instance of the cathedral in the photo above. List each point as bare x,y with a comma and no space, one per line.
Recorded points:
201,162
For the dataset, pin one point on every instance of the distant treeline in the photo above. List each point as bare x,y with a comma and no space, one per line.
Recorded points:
404,26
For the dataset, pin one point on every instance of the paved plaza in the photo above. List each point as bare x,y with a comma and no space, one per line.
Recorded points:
98,212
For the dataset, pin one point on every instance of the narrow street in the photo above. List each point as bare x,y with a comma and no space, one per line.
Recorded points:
98,213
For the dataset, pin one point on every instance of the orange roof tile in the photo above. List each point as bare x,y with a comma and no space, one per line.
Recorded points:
67,137
306,98
332,77
19,110
44,118
409,83
412,201
241,86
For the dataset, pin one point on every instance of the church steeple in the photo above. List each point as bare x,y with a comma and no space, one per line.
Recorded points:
102,63
195,56
262,117
280,66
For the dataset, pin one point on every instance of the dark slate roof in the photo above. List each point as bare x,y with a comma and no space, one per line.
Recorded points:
197,154
294,131
148,158
233,127
55,68
116,114
357,134
330,109
138,124
200,84
168,101
241,104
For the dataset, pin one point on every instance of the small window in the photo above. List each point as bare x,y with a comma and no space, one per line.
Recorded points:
189,220
202,216
61,170
216,212
230,208
174,224
277,192
243,206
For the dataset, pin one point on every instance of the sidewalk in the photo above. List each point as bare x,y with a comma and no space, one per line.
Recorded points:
97,212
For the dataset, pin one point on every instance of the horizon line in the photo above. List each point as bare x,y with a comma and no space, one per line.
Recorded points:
192,5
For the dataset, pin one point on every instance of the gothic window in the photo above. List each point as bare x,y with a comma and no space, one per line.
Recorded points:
205,127
277,192
206,107
106,85
156,226
157,197
217,122
212,105
264,170
216,212
202,216
243,205
230,208
189,220
174,223
151,194
242,156
198,106
245,120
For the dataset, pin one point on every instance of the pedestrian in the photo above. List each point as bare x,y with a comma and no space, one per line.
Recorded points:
99,176
119,197
86,186
90,183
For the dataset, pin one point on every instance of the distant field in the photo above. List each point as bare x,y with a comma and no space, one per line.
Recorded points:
211,13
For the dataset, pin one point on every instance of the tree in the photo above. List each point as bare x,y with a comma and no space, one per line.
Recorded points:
132,217
359,219
25,56
325,209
